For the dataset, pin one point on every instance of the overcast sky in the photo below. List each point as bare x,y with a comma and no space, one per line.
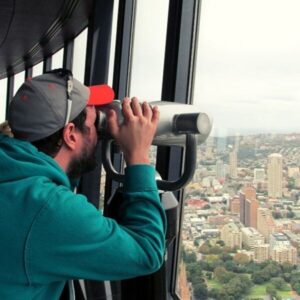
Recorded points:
248,72
248,63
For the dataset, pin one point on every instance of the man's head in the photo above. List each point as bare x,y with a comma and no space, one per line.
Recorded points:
56,113
46,103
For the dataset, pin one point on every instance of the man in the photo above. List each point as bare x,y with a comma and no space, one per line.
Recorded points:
49,234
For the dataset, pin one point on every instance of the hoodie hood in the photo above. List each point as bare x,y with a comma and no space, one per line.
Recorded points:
20,160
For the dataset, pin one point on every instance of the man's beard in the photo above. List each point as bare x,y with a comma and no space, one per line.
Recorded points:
83,164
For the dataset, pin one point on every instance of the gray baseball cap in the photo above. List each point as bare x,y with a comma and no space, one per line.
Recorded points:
46,103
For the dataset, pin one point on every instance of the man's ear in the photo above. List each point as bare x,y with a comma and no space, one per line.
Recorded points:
70,136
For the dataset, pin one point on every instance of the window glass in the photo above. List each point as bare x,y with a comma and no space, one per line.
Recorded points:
242,206
80,44
148,49
37,69
19,79
113,43
3,89
57,59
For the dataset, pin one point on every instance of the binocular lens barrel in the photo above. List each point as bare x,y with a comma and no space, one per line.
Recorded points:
176,120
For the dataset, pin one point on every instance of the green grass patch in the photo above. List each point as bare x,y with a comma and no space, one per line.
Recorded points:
284,294
213,284
259,290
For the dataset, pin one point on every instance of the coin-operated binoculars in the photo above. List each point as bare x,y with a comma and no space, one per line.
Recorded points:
179,125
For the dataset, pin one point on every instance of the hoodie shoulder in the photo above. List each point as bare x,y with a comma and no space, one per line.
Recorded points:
20,160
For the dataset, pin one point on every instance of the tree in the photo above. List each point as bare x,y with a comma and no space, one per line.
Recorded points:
246,282
290,215
219,271
229,265
287,277
204,248
271,290
212,262
278,283
273,269
214,293
252,267
291,183
222,275
225,257
193,271
296,287
200,290
295,281
206,206
259,277
189,257
241,259
287,267
238,286
276,215
215,250
208,275
221,243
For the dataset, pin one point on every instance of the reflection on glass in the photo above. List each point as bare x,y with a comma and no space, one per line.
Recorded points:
242,213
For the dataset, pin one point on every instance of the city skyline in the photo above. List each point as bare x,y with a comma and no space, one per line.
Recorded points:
252,214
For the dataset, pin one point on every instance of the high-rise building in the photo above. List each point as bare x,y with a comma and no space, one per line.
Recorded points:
220,169
275,175
231,235
235,205
209,153
279,239
261,252
250,192
248,207
247,212
233,163
265,222
284,254
259,175
251,237
253,213
242,207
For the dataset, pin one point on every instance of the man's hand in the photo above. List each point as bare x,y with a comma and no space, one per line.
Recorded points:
135,135
5,129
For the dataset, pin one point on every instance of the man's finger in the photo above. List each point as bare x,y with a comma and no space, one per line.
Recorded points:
136,107
126,108
155,115
147,110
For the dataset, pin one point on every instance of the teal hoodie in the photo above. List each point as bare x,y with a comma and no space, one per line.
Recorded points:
49,234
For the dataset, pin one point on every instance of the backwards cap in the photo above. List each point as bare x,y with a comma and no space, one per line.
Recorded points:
43,104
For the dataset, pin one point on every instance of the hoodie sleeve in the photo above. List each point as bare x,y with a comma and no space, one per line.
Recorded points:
71,239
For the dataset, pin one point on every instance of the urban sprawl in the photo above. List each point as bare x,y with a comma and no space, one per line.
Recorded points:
246,195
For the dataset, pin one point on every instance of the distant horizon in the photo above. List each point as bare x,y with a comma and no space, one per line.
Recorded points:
250,132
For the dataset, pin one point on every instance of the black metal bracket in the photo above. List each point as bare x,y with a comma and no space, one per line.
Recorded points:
164,185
